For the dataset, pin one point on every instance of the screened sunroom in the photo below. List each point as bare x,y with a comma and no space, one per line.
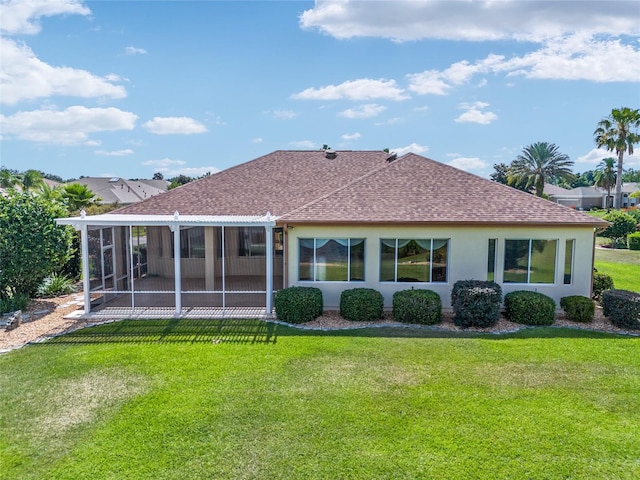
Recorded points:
159,265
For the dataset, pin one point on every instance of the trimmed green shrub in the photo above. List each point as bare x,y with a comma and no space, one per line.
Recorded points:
622,307
417,306
298,304
361,304
476,303
622,225
633,241
578,308
601,282
530,308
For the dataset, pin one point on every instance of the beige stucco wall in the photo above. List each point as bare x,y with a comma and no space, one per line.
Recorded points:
468,256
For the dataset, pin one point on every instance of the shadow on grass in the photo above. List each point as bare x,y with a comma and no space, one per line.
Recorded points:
174,331
253,331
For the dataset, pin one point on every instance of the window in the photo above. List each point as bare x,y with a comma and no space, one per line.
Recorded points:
331,259
413,260
491,262
251,242
568,262
530,261
191,243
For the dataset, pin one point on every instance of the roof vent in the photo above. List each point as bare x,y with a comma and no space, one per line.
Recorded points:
330,154
392,157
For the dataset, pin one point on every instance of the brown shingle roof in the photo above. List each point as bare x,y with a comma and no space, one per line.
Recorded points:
358,187
278,183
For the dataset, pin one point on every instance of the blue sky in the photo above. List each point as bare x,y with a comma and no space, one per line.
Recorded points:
123,88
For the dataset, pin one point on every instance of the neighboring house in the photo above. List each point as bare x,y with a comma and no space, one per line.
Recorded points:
122,191
585,198
332,220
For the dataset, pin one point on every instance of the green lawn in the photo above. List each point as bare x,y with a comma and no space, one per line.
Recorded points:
623,266
171,399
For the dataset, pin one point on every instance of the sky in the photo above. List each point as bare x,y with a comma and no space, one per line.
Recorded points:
131,88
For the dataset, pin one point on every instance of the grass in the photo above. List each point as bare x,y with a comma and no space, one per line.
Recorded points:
622,265
172,399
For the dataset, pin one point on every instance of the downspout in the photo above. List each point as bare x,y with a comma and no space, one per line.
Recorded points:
285,256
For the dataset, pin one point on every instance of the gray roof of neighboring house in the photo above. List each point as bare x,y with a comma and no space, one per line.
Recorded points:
122,191
358,187
585,192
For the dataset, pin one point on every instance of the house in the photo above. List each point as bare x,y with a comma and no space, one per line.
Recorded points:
121,191
330,219
586,198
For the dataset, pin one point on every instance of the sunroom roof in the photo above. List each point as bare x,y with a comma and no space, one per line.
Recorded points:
169,220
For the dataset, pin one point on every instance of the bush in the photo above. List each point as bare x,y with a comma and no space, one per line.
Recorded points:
417,306
530,308
476,303
13,303
633,241
622,225
578,308
298,304
622,307
601,282
361,304
55,285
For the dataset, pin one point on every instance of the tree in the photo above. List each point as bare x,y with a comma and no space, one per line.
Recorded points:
158,176
605,176
539,163
32,246
78,196
8,178
501,175
631,175
622,224
31,179
619,132
52,194
179,180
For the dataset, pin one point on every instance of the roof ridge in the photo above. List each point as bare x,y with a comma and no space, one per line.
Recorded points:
346,185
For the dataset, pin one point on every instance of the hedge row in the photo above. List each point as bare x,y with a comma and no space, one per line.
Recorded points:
475,304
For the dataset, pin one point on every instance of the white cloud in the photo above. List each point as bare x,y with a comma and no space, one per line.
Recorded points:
22,17
68,127
405,20
474,114
357,90
114,153
468,163
350,136
363,111
174,125
592,158
304,145
257,140
283,114
130,50
163,163
414,148
172,168
26,77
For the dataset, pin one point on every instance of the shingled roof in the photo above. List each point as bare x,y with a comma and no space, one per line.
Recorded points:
358,187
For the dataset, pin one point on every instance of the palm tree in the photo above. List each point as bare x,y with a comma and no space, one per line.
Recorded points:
31,179
539,163
50,193
7,178
605,176
619,132
79,196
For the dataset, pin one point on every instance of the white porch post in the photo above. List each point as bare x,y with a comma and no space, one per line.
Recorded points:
84,248
269,258
176,264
